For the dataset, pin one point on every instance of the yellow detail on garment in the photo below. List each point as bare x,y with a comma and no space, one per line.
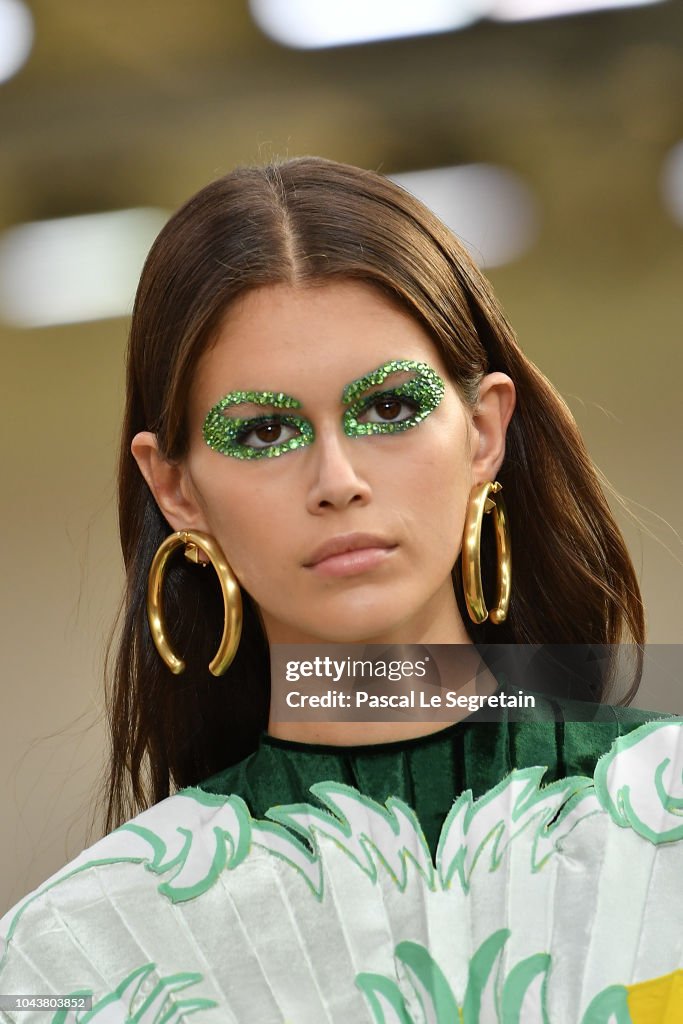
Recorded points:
658,1001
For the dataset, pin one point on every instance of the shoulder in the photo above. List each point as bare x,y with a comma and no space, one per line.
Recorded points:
238,778
175,839
573,735
108,923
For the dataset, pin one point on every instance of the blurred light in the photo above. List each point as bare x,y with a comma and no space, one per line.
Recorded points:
526,10
672,182
76,268
315,24
489,208
309,24
16,37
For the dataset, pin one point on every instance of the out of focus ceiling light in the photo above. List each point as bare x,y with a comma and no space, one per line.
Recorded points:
75,268
16,37
315,24
527,10
489,208
672,182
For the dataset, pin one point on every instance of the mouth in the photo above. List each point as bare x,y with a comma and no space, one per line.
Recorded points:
350,554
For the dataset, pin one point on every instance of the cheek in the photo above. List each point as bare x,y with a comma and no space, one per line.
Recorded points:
248,524
437,494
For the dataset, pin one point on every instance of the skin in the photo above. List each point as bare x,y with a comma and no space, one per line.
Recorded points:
269,514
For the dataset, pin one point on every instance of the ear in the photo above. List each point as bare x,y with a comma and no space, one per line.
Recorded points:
492,413
170,484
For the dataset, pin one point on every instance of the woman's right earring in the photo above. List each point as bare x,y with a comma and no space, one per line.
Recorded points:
480,503
193,541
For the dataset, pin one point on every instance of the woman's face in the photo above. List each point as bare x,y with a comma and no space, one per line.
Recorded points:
387,477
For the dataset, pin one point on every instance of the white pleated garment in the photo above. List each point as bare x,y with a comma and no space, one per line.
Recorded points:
560,904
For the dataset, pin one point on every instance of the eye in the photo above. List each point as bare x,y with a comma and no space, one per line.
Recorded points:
388,408
264,433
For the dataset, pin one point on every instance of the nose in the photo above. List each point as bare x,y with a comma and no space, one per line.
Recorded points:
336,481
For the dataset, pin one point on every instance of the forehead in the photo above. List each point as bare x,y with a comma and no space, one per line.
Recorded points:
308,341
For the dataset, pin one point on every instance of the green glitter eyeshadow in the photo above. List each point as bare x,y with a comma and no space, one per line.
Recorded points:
425,390
225,434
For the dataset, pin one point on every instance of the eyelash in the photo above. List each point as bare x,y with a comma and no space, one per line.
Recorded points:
228,436
248,427
408,394
382,426
251,426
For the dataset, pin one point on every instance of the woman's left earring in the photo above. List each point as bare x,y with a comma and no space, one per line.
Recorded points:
480,504
193,541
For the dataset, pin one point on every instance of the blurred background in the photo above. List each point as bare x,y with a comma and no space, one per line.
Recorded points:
553,138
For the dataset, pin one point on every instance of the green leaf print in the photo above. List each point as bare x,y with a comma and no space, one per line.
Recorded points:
159,1007
437,1000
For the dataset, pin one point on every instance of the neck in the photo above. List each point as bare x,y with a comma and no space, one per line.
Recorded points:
439,646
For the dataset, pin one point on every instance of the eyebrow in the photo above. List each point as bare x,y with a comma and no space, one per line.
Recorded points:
377,377
352,391
273,399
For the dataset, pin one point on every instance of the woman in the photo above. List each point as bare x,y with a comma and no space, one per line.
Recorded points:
324,401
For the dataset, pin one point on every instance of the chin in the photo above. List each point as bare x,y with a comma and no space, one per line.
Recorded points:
375,614
364,627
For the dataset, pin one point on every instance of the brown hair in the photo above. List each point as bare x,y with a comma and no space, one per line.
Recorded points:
310,219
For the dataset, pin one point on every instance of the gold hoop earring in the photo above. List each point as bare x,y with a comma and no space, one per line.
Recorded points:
479,505
194,541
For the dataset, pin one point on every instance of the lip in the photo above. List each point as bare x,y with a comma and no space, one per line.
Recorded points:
350,552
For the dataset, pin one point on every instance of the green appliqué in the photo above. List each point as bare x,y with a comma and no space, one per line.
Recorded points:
369,834
159,1006
519,995
177,849
222,433
548,813
436,998
630,805
426,390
